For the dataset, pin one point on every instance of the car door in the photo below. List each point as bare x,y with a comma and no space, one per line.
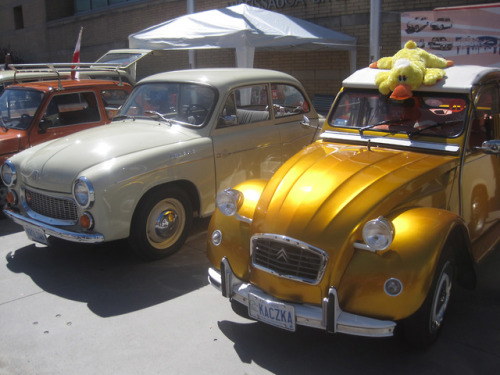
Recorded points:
481,171
290,106
67,113
246,141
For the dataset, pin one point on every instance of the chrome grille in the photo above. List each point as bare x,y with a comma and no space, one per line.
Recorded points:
53,207
288,257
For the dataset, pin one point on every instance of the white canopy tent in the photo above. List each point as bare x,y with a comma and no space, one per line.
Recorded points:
244,28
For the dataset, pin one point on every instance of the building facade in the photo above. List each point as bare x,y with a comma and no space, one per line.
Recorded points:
47,30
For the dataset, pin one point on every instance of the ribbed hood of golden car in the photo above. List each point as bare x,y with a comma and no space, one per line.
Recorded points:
328,191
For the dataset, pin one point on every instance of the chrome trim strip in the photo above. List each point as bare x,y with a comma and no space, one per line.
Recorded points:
54,231
306,315
332,135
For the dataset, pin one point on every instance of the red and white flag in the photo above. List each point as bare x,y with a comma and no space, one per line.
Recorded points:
76,56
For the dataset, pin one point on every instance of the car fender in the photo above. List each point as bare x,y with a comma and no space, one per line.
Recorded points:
420,235
129,180
235,232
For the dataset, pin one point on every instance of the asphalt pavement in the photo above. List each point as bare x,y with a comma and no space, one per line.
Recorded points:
80,309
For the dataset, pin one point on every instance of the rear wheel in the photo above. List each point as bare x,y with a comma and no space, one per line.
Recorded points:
424,326
161,223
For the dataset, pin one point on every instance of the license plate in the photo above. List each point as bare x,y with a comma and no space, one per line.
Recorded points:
274,313
36,234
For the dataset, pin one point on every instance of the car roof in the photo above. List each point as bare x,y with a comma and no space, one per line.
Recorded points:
459,79
223,77
69,83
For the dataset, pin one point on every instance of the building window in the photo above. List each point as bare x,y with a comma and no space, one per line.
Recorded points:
88,5
18,18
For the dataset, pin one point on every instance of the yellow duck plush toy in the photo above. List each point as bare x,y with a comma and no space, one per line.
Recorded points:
408,69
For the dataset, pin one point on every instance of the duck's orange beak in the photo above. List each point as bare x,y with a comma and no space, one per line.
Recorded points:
401,92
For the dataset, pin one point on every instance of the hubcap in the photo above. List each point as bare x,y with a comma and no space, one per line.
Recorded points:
441,299
165,224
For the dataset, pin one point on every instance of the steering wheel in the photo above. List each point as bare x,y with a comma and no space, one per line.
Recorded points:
198,112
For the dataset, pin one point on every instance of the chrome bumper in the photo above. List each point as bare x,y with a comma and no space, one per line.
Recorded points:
50,230
328,317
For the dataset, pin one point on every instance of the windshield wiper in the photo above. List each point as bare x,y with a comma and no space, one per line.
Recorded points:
385,122
160,116
431,126
121,117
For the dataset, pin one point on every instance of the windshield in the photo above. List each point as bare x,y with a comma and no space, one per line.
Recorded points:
18,106
427,114
186,103
120,58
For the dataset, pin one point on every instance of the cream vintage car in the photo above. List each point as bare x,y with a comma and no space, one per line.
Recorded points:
366,230
180,138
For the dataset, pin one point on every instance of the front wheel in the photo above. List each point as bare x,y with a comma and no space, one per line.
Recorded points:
161,223
424,326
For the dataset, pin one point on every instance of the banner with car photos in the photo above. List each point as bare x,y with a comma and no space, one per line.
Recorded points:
466,34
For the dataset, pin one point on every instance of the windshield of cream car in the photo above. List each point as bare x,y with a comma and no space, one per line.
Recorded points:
185,103
426,114
18,106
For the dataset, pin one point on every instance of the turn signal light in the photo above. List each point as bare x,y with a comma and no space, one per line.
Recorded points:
11,198
86,221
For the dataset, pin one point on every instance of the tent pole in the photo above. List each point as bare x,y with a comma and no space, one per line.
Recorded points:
191,53
374,30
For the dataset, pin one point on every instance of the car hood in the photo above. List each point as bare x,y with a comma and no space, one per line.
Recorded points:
10,142
325,193
54,165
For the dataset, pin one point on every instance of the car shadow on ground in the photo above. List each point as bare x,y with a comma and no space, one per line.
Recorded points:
109,278
470,336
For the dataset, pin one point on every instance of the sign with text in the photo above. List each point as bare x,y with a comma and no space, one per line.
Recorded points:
468,35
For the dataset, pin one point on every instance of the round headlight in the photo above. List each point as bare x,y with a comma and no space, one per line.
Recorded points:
8,173
228,201
378,234
83,192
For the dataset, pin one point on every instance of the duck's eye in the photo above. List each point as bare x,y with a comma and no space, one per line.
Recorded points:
402,78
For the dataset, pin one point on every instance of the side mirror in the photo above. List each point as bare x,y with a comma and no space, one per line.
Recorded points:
305,121
111,112
44,124
230,120
490,147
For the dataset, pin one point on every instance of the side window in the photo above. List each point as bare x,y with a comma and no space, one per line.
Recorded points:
482,128
252,104
113,98
288,100
71,109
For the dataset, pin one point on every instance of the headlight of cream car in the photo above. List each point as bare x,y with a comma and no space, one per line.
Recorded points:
83,192
378,234
8,174
229,201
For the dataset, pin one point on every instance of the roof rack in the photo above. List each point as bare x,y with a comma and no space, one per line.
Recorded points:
58,68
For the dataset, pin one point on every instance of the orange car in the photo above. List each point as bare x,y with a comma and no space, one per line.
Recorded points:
35,112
